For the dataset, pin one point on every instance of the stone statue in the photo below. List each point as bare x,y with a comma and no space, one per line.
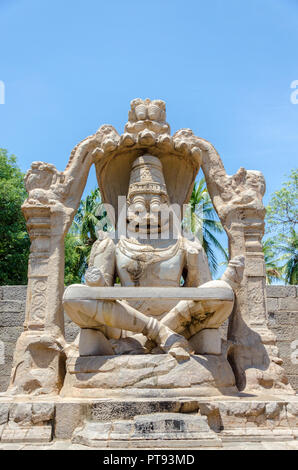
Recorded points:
157,333
151,261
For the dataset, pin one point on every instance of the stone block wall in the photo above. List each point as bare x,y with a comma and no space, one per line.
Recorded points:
12,315
282,306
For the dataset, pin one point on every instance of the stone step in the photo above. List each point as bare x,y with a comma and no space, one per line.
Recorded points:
109,421
158,427
257,435
28,434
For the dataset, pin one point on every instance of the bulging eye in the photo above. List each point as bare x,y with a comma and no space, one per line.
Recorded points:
155,207
139,207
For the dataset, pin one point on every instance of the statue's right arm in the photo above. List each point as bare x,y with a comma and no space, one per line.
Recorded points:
102,262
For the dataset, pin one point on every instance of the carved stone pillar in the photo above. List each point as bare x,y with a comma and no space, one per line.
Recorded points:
237,199
39,229
38,364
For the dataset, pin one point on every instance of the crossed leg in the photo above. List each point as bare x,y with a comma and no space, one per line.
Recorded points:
118,314
188,316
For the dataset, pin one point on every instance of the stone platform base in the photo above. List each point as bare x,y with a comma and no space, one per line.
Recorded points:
167,428
137,376
149,423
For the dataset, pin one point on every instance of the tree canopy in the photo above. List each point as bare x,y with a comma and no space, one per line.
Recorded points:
14,239
282,210
282,240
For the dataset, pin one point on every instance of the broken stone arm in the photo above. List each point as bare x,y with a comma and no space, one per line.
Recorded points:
81,292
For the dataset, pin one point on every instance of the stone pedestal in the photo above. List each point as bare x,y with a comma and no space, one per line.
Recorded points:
180,423
154,430
159,375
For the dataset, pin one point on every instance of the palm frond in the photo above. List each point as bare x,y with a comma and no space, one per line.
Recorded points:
204,223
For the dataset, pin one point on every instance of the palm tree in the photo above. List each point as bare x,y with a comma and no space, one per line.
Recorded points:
82,235
204,223
289,249
76,254
273,271
87,219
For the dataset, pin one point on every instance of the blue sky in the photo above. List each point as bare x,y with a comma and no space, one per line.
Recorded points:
224,67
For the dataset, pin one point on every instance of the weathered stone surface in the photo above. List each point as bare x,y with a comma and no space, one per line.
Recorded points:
156,375
288,303
11,306
92,433
23,434
121,430
157,426
293,379
282,318
207,341
284,332
130,293
113,421
21,413
10,334
281,291
292,415
272,304
68,417
94,343
11,318
273,410
127,409
170,426
71,330
4,408
42,412
37,365
14,293
256,435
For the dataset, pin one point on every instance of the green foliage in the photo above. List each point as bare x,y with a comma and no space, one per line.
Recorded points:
14,239
282,211
75,262
90,217
273,270
90,213
281,221
288,248
205,225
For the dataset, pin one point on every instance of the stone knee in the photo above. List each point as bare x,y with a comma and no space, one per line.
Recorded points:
94,343
81,312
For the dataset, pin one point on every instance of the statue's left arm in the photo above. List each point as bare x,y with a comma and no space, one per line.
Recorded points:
197,268
101,268
196,264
